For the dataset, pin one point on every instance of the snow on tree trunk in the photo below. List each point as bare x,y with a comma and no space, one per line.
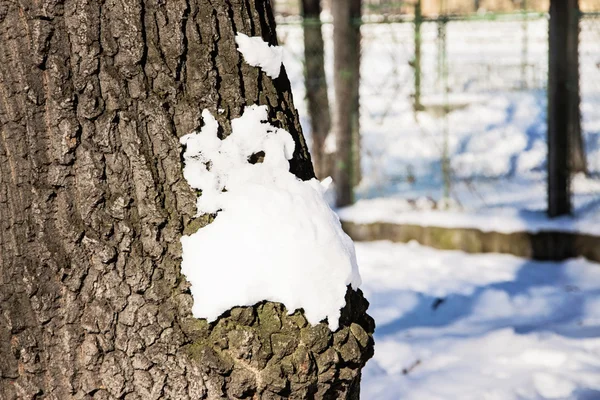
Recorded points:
93,305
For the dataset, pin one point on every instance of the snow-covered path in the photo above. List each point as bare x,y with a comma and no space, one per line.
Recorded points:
452,325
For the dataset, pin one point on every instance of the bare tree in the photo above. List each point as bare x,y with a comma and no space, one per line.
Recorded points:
93,305
578,161
346,37
560,115
316,86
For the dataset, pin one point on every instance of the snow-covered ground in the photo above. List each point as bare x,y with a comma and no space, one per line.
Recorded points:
452,325
496,129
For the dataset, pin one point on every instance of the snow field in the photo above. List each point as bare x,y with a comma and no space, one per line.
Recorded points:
452,325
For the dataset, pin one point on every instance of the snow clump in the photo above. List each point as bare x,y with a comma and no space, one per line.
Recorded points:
259,53
274,237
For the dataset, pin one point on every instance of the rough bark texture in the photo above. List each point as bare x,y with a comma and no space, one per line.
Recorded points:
578,161
346,37
316,87
93,98
559,115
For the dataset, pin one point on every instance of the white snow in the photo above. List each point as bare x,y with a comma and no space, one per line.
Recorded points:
330,145
504,220
259,53
274,237
506,328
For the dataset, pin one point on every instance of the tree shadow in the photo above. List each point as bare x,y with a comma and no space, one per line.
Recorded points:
539,299
587,394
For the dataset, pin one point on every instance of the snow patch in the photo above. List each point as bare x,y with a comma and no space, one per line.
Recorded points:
259,53
330,143
399,211
274,238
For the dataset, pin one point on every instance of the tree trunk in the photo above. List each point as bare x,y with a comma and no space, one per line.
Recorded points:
356,22
316,86
578,161
559,109
93,98
346,37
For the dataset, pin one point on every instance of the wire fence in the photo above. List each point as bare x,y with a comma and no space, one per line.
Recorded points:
461,111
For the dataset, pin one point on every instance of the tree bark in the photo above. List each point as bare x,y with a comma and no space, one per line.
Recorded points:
559,109
93,98
578,161
346,37
316,86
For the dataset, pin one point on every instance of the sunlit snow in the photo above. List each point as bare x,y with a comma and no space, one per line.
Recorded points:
452,325
259,53
274,238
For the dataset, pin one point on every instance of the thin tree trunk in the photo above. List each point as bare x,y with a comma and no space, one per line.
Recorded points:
578,159
346,34
559,109
93,98
316,86
356,21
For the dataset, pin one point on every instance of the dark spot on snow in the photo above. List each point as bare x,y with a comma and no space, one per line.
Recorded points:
437,302
257,158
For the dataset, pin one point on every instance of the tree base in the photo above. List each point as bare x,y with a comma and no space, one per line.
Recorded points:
262,352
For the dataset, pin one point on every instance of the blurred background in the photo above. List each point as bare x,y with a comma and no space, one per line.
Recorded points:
452,98
455,131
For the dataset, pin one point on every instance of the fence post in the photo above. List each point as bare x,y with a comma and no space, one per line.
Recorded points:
441,49
443,79
417,61
525,45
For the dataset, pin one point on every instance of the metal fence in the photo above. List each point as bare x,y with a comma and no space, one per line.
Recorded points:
479,106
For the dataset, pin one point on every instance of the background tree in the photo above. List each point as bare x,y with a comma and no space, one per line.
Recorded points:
578,161
94,96
346,39
316,86
561,118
